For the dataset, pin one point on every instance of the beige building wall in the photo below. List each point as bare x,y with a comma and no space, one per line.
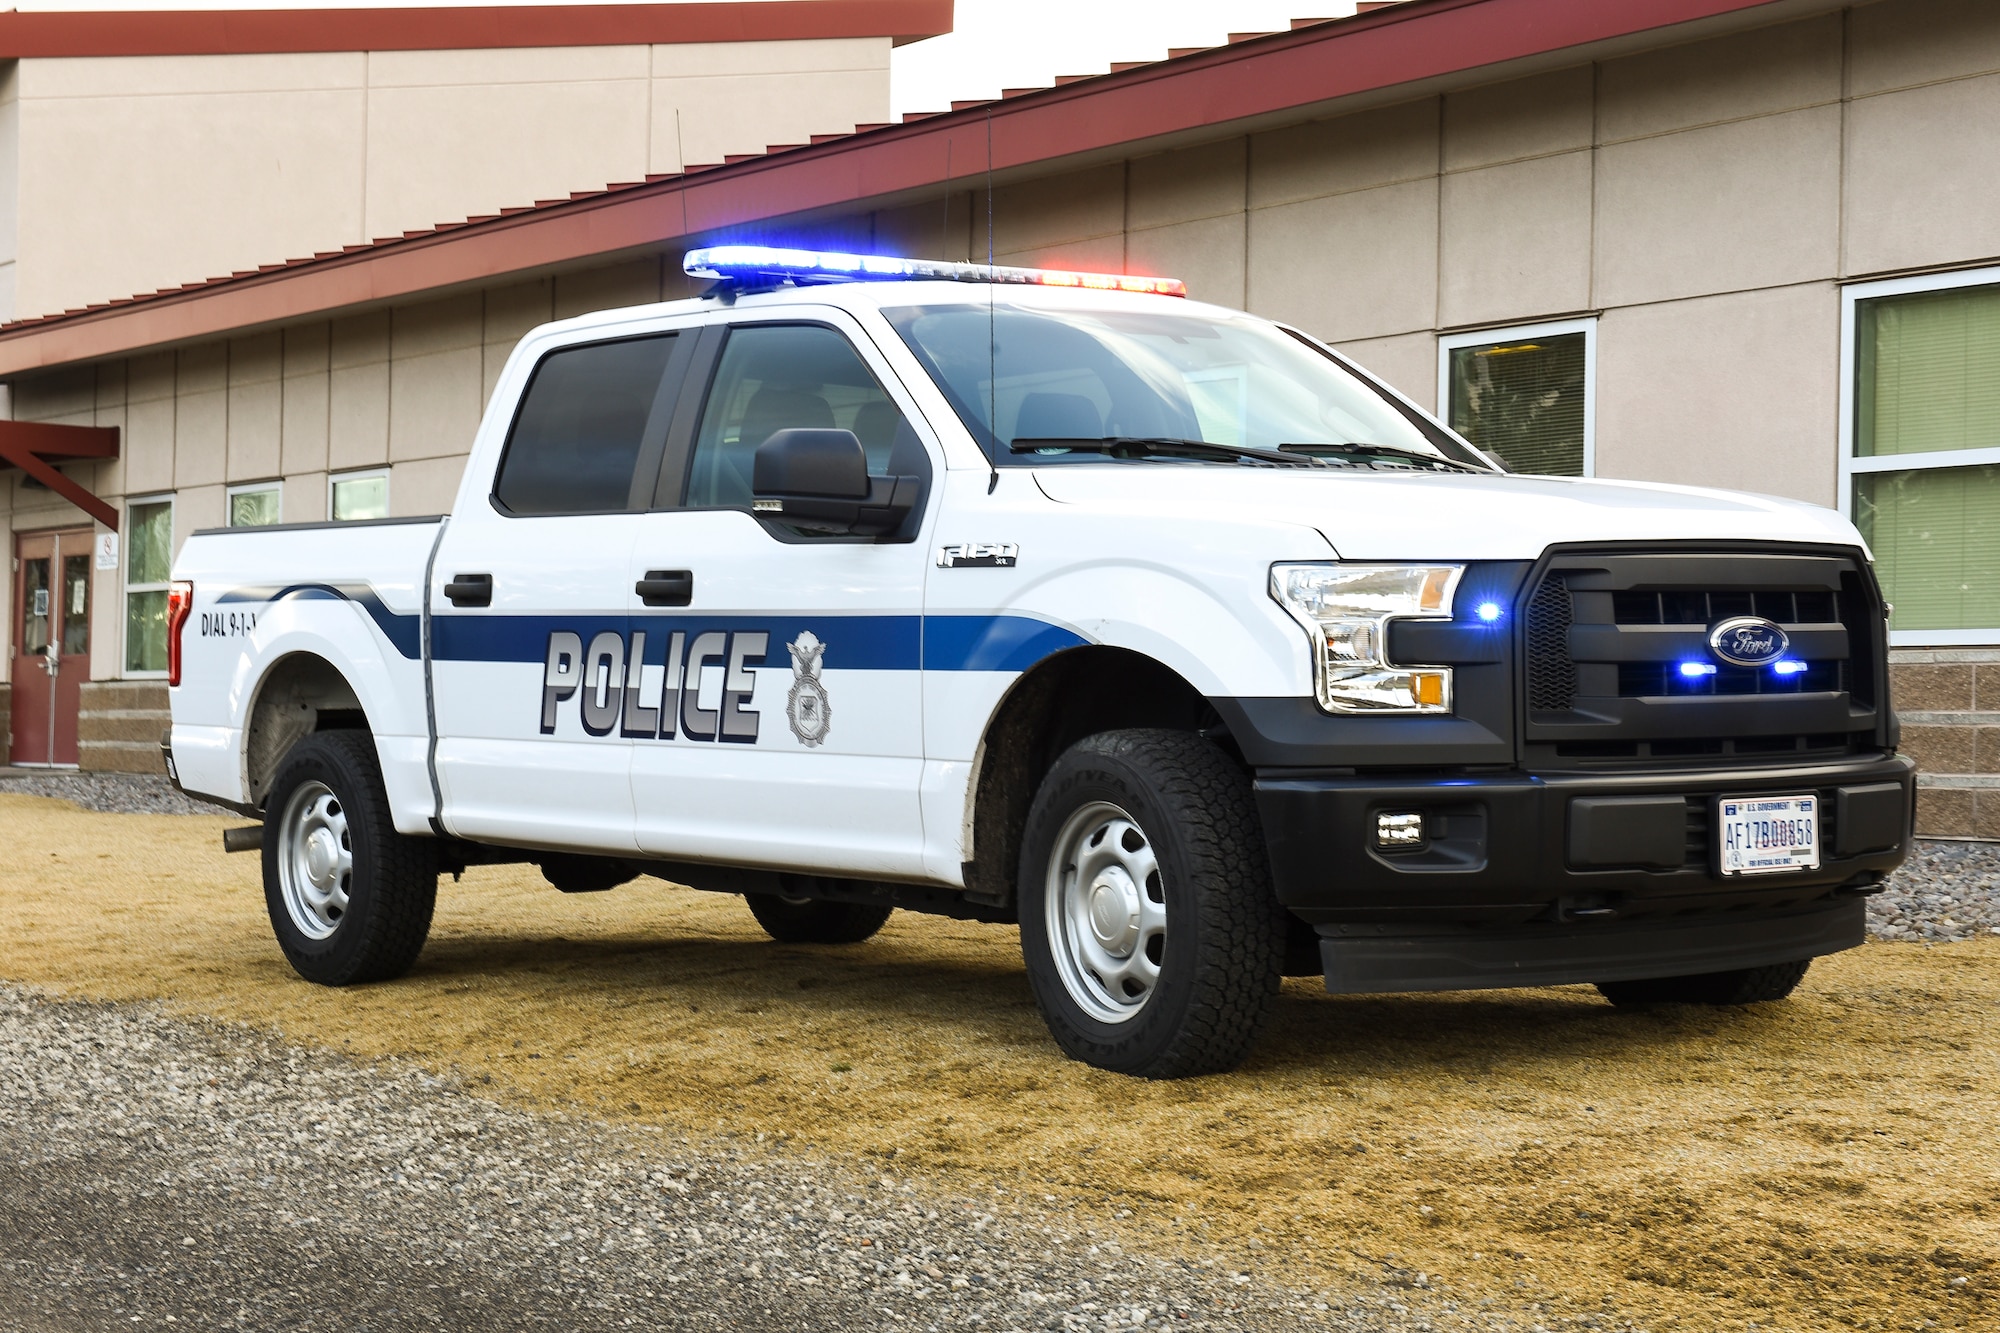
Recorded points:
1703,203
136,173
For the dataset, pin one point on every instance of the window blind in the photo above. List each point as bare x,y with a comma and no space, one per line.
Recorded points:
1927,372
1523,402
1936,537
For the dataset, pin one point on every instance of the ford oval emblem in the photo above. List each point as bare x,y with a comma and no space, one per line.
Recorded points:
1748,641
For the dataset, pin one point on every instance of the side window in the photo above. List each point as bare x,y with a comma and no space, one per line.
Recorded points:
576,440
775,377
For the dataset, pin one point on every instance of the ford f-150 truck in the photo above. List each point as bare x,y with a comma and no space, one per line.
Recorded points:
1059,599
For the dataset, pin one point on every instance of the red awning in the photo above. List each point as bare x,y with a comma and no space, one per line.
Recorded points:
34,447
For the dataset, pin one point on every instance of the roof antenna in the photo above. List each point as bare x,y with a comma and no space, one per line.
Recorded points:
992,339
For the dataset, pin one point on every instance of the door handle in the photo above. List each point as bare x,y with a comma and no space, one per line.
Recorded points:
666,587
470,590
51,660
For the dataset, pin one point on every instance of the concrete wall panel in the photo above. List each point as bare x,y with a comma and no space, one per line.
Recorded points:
1737,391
1053,212
1207,255
425,486
485,147
1356,265
1357,152
434,404
1915,42
1758,73
256,431
358,416
610,288
1748,204
1407,362
122,196
303,428
1516,241
303,499
1206,182
148,446
1533,117
1917,193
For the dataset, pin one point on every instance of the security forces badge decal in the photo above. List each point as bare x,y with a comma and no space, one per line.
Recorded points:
806,707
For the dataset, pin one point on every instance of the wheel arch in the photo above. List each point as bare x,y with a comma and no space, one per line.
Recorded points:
299,694
1054,704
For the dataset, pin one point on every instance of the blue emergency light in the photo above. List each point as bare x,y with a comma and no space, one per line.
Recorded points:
754,264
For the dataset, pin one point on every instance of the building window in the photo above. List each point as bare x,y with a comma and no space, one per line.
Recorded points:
254,505
358,495
1921,456
1525,395
149,555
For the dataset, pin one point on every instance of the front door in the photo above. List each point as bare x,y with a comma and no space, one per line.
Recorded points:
51,644
786,725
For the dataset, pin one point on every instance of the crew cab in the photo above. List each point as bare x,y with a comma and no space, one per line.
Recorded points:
1164,631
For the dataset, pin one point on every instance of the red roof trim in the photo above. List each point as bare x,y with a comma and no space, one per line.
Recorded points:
267,31
1418,40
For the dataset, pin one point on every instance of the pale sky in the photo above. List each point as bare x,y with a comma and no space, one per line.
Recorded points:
994,44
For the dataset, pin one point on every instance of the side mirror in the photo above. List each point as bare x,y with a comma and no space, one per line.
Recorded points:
818,480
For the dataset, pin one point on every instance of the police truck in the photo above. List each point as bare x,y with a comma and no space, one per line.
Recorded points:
1162,631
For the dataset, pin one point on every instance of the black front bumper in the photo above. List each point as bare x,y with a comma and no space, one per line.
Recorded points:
1536,879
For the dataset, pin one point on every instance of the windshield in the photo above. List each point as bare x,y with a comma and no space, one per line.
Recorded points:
1056,379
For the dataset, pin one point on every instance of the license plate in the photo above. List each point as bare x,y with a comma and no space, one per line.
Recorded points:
1762,835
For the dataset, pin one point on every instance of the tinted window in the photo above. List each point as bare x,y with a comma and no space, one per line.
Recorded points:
576,441
775,377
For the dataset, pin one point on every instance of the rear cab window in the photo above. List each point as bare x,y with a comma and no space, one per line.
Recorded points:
592,419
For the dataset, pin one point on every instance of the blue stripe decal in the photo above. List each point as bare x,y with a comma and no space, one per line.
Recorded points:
990,643
854,643
405,633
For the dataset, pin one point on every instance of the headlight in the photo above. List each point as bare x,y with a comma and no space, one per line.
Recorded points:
1346,610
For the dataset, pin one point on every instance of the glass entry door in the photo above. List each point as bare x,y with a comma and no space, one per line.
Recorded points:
51,644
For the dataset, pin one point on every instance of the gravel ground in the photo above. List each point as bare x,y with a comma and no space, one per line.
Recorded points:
156,1171
1946,891
107,793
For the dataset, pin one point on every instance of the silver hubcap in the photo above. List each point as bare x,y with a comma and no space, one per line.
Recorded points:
1107,912
315,859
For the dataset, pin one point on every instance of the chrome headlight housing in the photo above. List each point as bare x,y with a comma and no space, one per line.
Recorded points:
1346,609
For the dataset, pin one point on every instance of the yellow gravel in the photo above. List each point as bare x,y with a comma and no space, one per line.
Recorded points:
1829,1162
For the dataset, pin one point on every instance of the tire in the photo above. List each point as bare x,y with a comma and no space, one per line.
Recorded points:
814,920
350,898
1153,941
1747,985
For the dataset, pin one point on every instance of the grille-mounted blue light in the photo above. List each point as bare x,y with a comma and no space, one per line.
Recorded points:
763,263
1787,667
1696,670
1487,611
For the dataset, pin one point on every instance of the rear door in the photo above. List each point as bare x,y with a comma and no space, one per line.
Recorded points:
785,696
51,644
529,594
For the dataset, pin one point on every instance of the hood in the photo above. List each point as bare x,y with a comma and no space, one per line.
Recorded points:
1444,516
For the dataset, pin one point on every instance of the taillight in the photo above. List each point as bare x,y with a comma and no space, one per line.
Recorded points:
180,600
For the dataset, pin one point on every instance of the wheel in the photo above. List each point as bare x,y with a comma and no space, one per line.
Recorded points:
1746,985
814,920
350,898
585,874
1153,941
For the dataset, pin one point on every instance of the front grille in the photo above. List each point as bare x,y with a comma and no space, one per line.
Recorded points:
1640,680
1618,670
1691,606
1551,674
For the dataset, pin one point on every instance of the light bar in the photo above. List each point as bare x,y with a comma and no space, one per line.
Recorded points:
751,263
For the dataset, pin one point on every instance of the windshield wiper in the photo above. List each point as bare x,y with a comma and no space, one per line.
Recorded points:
1146,446
1358,448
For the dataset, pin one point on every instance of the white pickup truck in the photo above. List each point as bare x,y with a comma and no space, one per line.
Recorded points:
1058,599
